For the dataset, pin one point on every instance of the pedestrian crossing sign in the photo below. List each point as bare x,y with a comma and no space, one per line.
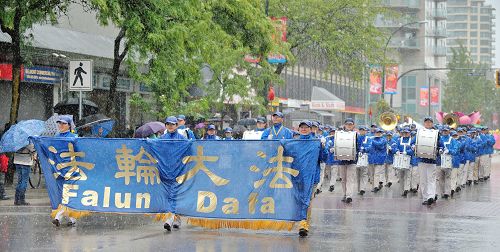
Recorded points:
80,75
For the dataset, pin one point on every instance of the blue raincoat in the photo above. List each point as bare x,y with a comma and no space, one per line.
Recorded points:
377,151
277,131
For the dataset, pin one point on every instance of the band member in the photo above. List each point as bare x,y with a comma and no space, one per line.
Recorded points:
211,133
427,171
462,170
228,133
171,132
347,168
415,175
487,142
182,129
404,146
456,159
362,171
257,132
489,152
444,176
376,158
390,174
332,165
277,131
472,149
305,133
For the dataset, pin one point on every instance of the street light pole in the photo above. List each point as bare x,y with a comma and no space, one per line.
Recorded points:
385,53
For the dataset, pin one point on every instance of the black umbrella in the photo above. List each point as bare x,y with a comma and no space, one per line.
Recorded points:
71,105
247,122
92,120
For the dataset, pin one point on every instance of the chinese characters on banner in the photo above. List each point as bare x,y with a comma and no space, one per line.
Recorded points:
376,79
200,179
424,96
391,79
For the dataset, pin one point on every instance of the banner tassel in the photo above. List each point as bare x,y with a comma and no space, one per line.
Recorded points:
77,214
242,224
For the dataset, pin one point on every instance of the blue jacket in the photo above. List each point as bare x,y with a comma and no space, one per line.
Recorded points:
66,134
452,145
470,149
461,148
488,141
189,133
330,160
323,152
389,158
174,135
277,131
404,145
211,137
377,151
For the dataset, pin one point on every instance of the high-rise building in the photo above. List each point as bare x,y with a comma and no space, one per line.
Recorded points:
417,41
471,24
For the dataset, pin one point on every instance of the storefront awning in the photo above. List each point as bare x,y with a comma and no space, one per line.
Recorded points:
323,113
322,99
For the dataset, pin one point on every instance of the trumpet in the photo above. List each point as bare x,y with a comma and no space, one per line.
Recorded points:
451,120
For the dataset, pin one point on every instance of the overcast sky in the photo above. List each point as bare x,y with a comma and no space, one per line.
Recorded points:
496,4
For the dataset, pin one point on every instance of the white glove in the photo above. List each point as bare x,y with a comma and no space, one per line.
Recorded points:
440,151
389,148
404,152
332,150
323,140
397,152
446,151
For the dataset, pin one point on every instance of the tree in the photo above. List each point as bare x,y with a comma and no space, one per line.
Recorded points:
465,93
341,32
16,17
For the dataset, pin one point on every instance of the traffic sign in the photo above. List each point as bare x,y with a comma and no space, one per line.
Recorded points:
80,75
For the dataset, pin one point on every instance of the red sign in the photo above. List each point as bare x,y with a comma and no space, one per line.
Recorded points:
6,72
391,79
434,96
424,96
376,79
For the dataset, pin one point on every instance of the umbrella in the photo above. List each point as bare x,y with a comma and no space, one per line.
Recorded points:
199,126
70,106
239,128
247,122
17,136
51,128
149,129
106,126
91,120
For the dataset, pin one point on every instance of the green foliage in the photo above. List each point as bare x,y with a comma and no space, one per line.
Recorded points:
340,32
465,93
380,107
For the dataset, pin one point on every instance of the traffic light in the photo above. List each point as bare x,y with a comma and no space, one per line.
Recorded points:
497,78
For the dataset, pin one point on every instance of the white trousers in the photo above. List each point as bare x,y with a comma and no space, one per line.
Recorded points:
391,174
330,175
347,173
415,177
454,178
362,177
444,181
470,170
427,184
321,176
463,174
378,175
488,171
483,165
404,179
60,214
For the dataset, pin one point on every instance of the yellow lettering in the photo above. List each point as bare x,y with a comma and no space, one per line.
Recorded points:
122,204
232,207
212,199
90,198
67,193
267,205
139,197
252,201
107,192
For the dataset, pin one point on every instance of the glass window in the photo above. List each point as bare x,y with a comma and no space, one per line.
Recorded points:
485,35
485,50
473,42
485,18
473,26
457,26
485,26
457,34
485,10
473,50
457,18
485,42
485,59
473,18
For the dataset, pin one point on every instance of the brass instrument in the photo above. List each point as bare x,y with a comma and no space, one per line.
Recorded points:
388,121
451,120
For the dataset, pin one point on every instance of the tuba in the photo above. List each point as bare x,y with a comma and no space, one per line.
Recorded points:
388,121
451,120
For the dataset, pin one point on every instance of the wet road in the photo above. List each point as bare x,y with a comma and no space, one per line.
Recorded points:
382,222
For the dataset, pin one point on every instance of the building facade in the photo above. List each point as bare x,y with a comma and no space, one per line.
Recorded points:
418,41
471,23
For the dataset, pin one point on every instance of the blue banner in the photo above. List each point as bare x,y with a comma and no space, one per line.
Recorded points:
258,180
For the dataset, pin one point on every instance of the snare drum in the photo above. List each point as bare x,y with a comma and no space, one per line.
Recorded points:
402,161
362,160
345,145
426,143
446,161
